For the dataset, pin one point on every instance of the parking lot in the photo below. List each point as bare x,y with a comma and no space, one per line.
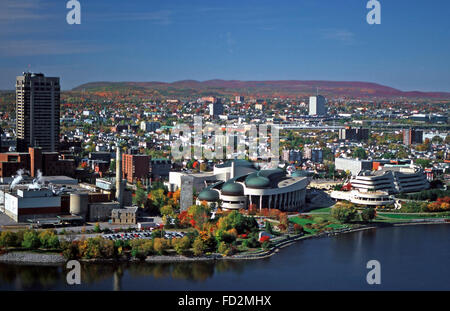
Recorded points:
142,235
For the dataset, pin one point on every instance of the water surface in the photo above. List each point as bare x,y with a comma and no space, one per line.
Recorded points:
411,257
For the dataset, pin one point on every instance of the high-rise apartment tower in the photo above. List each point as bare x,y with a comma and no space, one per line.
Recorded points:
37,111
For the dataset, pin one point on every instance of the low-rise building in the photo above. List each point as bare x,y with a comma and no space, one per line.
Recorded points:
124,216
354,166
37,203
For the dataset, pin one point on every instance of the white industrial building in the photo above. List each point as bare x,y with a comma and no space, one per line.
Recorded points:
24,204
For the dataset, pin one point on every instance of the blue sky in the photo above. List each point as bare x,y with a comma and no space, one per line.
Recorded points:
174,40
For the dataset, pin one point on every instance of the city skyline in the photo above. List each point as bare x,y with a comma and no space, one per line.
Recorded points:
231,41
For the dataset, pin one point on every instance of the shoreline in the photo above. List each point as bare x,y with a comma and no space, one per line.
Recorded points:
47,259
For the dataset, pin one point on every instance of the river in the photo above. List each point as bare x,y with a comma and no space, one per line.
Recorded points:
411,258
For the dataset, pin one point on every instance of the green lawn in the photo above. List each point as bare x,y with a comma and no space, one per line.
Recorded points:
303,222
409,216
337,226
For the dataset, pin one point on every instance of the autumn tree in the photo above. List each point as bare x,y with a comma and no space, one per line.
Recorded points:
344,213
198,246
368,214
181,245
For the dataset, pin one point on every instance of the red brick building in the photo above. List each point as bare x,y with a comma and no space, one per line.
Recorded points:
135,167
48,163
11,162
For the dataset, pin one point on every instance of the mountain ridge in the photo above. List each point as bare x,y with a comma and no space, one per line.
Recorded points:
266,87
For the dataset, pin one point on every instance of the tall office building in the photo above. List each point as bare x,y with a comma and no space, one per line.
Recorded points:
37,111
353,134
216,108
412,136
239,99
317,106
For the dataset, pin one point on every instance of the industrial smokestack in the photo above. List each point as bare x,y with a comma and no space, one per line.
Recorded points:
119,184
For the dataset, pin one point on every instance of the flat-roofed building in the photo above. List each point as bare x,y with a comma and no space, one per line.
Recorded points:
28,204
124,216
317,106
150,126
353,134
216,108
354,166
160,168
292,156
135,167
411,137
37,111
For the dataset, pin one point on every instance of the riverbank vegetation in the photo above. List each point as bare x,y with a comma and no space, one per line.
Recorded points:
33,240
227,233
425,195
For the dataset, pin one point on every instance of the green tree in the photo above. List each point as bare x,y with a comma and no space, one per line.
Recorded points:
48,239
140,197
224,249
331,170
360,153
251,242
31,240
182,245
167,210
7,239
344,213
388,155
97,228
238,221
368,214
112,166
437,139
268,227
266,245
160,245
53,242
158,199
424,163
